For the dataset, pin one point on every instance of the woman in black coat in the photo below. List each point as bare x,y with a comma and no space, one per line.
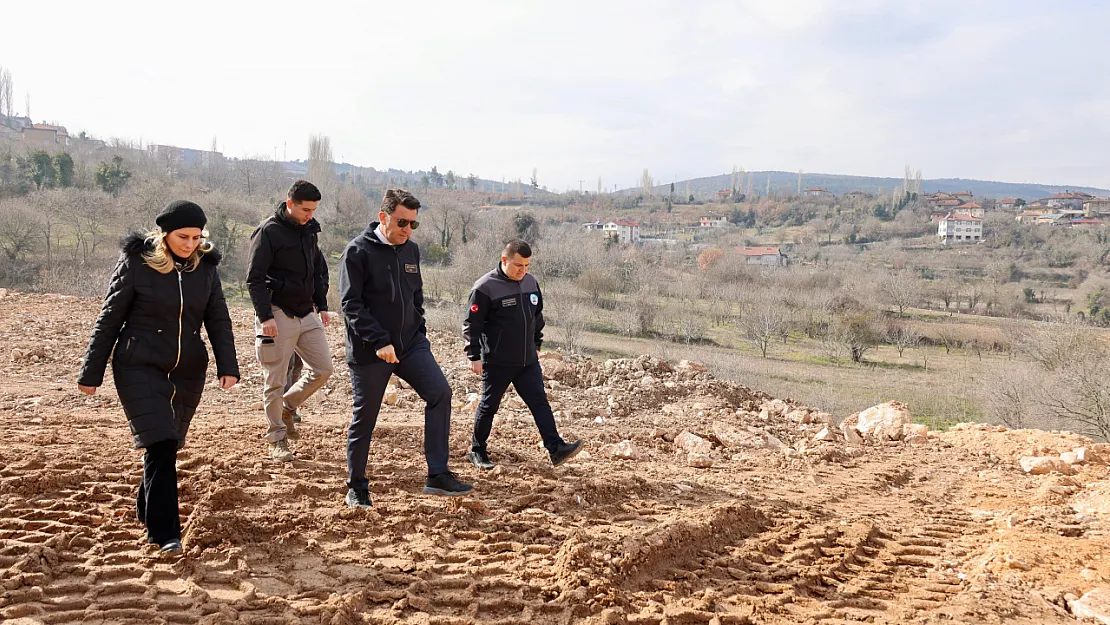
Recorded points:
163,288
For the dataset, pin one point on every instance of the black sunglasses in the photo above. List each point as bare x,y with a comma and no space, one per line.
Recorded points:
404,223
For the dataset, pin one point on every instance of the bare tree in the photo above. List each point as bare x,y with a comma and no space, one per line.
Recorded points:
902,337
763,323
902,289
19,229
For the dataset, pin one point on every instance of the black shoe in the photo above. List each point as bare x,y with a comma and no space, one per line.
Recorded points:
481,460
565,452
358,498
446,484
173,546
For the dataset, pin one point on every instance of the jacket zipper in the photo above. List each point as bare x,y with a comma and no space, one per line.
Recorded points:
524,315
400,334
180,314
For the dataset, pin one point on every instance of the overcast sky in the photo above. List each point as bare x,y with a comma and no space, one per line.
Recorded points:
1016,91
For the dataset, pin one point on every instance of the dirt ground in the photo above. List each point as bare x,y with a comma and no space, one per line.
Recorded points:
780,529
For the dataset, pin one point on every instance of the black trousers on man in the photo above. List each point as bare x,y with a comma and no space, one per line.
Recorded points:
156,503
528,381
368,381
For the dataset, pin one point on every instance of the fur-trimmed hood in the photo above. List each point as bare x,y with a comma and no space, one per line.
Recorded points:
135,244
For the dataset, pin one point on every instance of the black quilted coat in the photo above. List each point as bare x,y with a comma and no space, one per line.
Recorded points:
159,360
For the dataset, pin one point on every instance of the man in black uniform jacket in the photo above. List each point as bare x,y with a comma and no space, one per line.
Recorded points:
383,302
503,331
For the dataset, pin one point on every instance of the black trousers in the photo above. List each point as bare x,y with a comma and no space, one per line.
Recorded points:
368,381
528,381
156,503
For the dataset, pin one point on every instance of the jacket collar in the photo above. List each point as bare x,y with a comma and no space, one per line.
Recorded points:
282,218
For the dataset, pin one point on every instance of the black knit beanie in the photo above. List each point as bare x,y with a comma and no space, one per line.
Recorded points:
180,214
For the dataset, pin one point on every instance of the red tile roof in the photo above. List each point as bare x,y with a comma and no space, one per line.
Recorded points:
758,251
961,217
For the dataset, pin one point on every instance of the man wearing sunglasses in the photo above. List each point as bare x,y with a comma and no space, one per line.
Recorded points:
383,303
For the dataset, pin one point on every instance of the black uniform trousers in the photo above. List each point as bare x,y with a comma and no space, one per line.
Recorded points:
528,381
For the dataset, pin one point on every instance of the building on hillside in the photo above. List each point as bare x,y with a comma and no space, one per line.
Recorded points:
817,192
45,136
971,208
1068,199
1031,215
713,221
174,156
1050,219
1008,204
724,194
1096,207
960,228
623,231
1084,222
15,123
964,196
766,256
593,225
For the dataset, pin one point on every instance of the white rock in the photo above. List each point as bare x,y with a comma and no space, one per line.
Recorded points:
693,366
599,420
1069,458
699,460
390,397
692,443
884,422
1082,455
824,435
624,450
732,438
1094,605
1043,465
914,429
851,435
471,402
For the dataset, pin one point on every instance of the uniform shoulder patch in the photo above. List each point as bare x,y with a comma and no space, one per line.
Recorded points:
473,308
535,299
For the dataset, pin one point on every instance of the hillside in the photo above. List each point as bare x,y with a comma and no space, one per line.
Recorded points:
698,501
786,183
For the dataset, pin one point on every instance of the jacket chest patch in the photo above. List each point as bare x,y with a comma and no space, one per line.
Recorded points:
535,299
411,269
505,303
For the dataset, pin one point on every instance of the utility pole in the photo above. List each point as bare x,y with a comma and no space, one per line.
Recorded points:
580,186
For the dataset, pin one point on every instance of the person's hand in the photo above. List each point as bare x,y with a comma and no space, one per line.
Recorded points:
88,390
228,381
388,354
476,366
328,317
269,327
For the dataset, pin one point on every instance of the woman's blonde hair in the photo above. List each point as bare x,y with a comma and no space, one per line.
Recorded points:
160,259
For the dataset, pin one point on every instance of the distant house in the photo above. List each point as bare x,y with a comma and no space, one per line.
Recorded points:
1030,216
767,256
960,228
724,194
971,208
947,203
713,221
817,192
15,123
45,135
623,231
1096,207
1068,199
593,225
185,157
1050,219
1007,204
1082,222
964,196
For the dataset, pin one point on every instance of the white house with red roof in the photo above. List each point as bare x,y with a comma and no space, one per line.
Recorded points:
624,231
762,255
960,228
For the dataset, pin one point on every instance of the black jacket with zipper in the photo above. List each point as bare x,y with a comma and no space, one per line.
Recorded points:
382,296
159,361
504,320
285,267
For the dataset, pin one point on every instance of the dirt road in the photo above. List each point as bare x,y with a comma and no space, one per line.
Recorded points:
944,529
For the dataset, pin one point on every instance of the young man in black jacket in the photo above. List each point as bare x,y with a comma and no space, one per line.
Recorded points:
288,281
382,296
503,331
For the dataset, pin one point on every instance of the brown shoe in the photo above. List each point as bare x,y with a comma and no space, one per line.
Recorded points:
291,432
279,451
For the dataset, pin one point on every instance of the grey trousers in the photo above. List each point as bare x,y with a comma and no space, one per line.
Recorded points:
304,336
